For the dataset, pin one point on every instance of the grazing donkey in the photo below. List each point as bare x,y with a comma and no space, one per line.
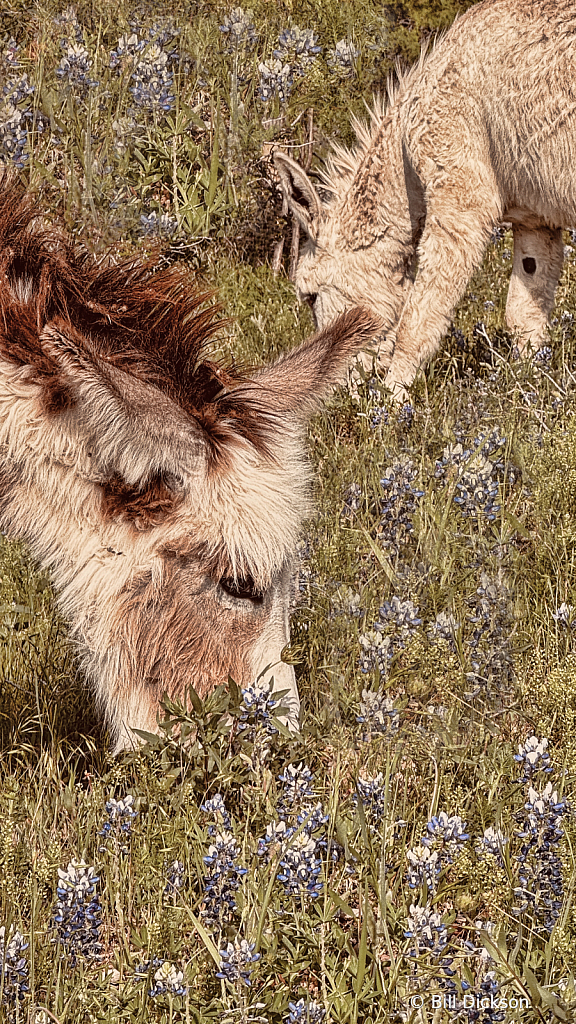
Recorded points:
482,129
164,491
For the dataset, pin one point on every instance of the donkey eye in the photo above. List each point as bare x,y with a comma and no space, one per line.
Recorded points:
243,589
311,299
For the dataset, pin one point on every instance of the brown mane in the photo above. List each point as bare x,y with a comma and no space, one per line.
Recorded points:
151,324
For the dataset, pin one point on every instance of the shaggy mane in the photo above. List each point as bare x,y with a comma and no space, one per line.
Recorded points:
152,324
342,163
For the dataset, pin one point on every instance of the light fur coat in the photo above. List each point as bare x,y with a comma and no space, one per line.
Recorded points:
482,129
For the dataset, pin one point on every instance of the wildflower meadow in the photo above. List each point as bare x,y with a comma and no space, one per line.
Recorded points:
409,855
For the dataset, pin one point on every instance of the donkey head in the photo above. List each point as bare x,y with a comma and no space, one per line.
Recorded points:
350,256
165,492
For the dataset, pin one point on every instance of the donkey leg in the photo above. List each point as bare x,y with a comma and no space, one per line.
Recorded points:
451,248
538,258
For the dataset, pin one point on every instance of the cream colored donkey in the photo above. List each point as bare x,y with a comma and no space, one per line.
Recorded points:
482,129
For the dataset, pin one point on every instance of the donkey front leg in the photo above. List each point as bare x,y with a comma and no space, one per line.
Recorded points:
452,246
538,258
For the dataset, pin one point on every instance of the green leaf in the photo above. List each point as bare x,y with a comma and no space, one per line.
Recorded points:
363,948
341,904
195,701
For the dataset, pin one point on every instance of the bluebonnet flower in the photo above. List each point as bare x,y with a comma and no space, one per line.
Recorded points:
444,627
168,981
446,834
153,81
424,866
375,651
222,881
564,615
492,843
68,20
299,48
543,356
17,89
478,491
18,119
158,225
13,967
353,498
541,884
276,833
295,836
489,305
296,52
238,29
10,56
77,913
279,833
164,977
276,79
258,708
175,879
479,473
301,864
13,134
377,713
236,961
430,935
379,416
297,787
150,74
397,623
121,814
427,929
127,52
346,601
486,1009
75,65
534,757
304,1012
506,254
401,614
372,793
342,58
161,31
406,415
497,233
490,643
217,807
298,799
401,500
313,818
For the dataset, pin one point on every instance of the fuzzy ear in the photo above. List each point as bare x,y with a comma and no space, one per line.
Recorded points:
300,194
135,433
296,384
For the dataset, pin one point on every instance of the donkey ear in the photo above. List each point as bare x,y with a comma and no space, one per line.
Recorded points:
296,384
134,431
299,192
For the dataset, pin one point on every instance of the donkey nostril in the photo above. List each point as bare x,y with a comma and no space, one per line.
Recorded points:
529,264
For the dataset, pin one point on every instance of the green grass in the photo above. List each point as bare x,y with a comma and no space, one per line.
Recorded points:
461,703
